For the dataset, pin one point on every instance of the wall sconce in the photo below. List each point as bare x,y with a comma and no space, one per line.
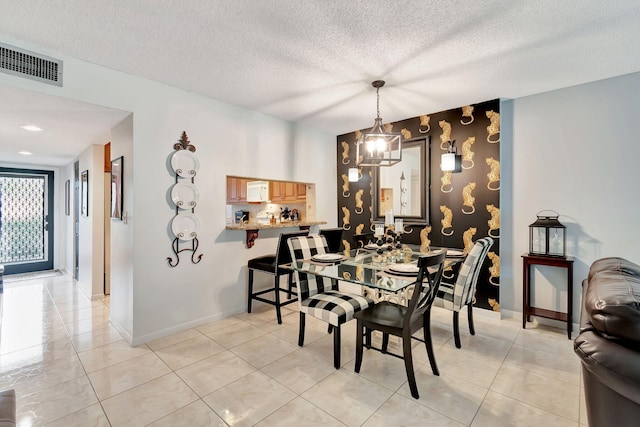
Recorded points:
451,160
379,147
354,174
547,236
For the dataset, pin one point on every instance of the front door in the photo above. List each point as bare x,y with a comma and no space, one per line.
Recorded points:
26,220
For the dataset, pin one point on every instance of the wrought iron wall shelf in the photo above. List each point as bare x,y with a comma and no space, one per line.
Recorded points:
185,196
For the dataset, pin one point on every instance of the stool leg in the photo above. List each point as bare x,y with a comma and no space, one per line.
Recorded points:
276,289
250,290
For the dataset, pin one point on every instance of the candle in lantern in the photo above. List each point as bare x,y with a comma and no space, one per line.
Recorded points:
388,217
399,226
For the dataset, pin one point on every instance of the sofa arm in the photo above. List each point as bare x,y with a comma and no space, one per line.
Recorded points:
7,408
616,366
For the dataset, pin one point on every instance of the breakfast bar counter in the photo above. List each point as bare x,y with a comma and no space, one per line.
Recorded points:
253,228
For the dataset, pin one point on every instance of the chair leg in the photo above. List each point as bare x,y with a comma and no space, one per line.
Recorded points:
472,329
367,333
250,291
456,329
426,329
301,330
408,365
289,282
329,328
336,347
276,290
359,345
385,342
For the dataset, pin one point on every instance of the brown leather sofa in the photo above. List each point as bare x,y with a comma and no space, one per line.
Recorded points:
7,408
609,343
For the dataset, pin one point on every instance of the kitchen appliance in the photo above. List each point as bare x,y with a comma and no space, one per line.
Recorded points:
242,216
258,191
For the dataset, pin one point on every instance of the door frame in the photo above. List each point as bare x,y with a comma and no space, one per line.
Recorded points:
49,221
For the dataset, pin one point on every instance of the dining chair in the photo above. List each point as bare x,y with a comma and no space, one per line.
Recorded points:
361,240
454,296
333,237
319,296
403,321
272,264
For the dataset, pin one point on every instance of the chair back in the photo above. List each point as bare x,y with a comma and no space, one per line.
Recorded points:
362,239
283,256
467,280
426,286
303,248
333,237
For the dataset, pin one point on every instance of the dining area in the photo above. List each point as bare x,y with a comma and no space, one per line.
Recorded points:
383,285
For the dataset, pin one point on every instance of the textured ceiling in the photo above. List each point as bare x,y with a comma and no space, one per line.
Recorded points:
312,61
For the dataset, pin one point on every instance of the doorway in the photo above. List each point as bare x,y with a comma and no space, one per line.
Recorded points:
26,220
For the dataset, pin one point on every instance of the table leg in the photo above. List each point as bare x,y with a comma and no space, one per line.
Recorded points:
525,293
570,299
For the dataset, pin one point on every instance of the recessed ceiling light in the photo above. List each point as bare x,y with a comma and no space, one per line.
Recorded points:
25,153
31,128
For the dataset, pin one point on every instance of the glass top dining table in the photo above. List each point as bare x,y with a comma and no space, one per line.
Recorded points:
370,269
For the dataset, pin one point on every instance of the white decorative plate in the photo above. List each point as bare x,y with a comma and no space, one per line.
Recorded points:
185,195
404,268
185,163
327,257
185,226
453,252
374,246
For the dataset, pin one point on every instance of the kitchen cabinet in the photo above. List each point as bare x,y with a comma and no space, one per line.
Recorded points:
236,190
301,192
283,192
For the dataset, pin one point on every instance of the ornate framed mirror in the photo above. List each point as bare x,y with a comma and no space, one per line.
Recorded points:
404,187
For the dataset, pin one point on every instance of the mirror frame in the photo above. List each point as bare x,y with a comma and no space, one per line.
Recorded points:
420,142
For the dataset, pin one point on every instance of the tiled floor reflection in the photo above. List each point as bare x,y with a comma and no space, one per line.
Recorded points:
70,367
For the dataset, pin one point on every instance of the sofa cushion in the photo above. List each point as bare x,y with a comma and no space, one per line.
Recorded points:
613,298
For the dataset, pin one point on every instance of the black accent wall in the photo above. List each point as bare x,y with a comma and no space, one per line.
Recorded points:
470,198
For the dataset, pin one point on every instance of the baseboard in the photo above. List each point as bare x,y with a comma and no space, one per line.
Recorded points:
536,320
184,326
122,330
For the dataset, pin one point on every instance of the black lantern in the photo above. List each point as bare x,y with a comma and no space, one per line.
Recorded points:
547,236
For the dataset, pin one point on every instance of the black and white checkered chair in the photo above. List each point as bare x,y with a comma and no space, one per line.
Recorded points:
454,296
319,296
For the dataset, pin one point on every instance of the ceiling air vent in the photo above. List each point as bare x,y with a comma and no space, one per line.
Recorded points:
30,65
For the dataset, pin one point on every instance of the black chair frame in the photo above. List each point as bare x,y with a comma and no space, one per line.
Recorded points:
404,321
273,264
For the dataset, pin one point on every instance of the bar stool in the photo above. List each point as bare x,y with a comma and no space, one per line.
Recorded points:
271,264
333,236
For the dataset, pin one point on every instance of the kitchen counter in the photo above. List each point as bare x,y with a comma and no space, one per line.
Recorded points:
253,228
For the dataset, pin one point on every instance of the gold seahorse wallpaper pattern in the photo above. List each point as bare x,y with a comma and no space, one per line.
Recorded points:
470,200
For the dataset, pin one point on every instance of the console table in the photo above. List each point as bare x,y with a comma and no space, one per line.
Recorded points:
527,310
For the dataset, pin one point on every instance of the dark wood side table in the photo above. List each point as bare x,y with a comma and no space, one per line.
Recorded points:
527,310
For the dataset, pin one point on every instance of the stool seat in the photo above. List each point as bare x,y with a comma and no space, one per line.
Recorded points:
266,263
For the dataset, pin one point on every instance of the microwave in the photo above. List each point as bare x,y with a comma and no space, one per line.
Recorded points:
258,191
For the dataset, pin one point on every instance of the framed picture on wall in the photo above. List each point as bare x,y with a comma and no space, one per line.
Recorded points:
67,197
84,193
116,188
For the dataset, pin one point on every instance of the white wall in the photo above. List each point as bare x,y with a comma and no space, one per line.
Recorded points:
230,141
121,311
91,235
575,151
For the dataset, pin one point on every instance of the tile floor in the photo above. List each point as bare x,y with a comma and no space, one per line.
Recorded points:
71,368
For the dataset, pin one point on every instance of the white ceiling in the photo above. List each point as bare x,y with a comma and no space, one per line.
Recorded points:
312,61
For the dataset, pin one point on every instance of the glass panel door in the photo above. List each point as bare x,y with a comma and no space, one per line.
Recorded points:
26,220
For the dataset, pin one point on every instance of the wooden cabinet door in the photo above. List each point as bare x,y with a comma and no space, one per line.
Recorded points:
277,192
301,191
241,189
236,190
289,191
